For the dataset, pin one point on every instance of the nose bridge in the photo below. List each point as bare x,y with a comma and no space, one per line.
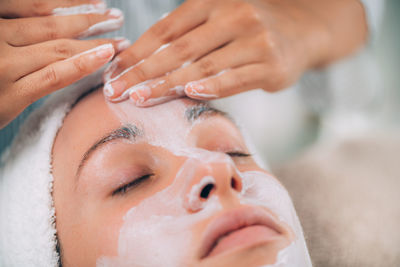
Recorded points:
210,174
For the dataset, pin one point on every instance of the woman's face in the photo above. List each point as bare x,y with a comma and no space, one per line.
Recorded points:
170,185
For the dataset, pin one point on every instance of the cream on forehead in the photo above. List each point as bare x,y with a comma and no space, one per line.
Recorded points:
159,215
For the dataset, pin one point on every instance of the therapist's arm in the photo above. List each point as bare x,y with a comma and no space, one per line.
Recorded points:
217,48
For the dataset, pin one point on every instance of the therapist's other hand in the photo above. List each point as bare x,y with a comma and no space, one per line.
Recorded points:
209,49
41,54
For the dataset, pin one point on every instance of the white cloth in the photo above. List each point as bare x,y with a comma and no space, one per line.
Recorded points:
27,227
27,218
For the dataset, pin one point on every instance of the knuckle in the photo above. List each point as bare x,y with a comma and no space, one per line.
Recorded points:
80,65
241,81
131,56
51,77
280,74
247,16
40,7
162,31
216,85
140,74
87,21
20,29
250,12
182,48
62,50
207,67
50,28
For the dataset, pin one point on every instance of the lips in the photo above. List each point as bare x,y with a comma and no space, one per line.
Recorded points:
244,227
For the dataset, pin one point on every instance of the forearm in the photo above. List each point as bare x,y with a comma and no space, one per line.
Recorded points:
346,26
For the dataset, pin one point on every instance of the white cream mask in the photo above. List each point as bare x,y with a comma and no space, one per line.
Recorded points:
159,230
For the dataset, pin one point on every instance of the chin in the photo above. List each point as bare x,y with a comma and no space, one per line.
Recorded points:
259,254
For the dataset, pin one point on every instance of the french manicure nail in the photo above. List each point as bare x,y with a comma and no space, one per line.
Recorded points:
122,43
118,86
115,13
108,90
111,68
104,51
196,89
140,93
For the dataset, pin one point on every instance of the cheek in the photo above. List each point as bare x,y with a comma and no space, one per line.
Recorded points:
104,234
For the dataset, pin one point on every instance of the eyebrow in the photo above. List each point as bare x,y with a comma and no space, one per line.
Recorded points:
195,112
127,132
131,132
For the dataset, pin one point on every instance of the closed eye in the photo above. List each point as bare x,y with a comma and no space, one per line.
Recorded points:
135,183
238,154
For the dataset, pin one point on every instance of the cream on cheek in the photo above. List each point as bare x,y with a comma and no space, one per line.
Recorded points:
159,231
260,189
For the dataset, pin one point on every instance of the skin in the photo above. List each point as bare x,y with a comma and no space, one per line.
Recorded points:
35,46
89,216
265,44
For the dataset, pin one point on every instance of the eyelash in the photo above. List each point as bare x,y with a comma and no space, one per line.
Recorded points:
123,189
238,154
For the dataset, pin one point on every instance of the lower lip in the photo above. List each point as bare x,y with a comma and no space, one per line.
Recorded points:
245,237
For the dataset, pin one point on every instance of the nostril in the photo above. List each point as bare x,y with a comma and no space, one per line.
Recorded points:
205,192
235,184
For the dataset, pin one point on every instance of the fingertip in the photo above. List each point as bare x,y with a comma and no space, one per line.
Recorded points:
198,90
108,90
111,68
104,52
121,43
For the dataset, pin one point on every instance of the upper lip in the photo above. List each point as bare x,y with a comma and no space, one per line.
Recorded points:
233,220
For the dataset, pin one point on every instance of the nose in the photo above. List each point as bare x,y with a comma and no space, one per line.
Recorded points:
218,177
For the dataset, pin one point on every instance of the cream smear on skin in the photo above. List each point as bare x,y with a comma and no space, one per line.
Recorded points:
99,8
109,25
149,235
158,232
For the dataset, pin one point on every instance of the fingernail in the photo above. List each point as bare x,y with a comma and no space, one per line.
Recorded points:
108,90
104,51
109,71
117,86
122,43
115,21
114,13
195,89
140,93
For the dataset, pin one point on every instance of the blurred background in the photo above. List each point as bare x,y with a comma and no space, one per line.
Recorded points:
286,127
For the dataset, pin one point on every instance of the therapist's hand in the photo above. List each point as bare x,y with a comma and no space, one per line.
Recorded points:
39,53
209,49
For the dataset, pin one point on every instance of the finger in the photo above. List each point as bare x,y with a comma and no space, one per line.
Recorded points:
229,83
20,8
188,16
231,56
40,55
62,73
180,53
28,31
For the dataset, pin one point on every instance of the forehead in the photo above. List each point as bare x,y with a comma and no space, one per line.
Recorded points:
93,117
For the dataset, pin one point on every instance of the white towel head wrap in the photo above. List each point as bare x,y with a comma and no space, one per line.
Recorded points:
27,215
